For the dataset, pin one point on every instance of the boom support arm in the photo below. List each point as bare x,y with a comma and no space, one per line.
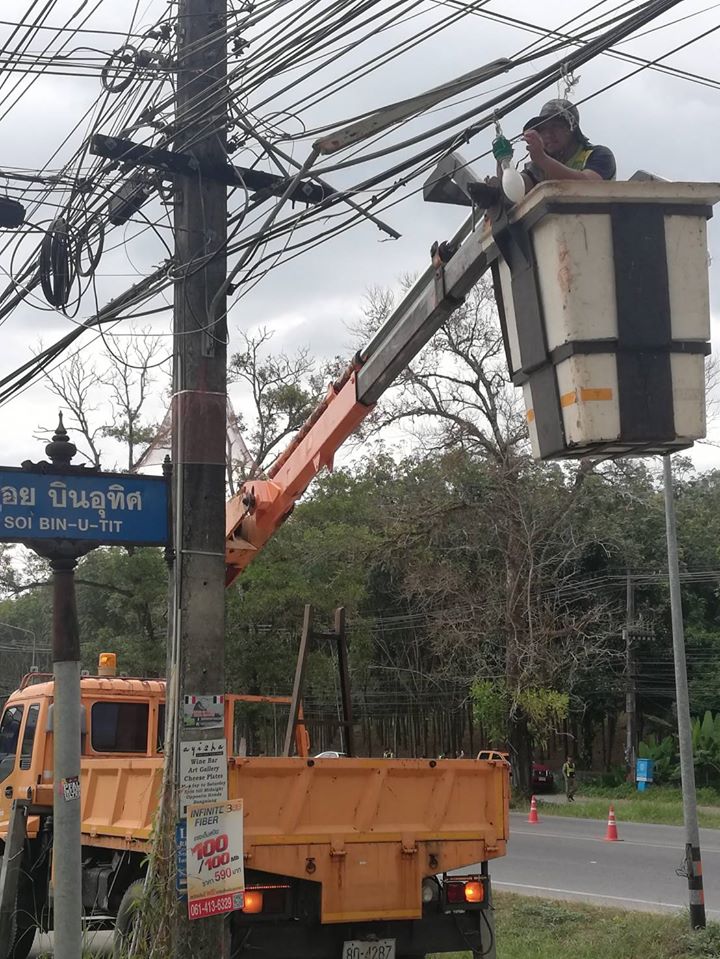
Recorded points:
262,506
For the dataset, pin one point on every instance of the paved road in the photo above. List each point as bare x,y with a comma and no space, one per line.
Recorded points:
566,858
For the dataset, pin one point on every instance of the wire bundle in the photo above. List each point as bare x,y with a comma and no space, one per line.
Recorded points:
288,60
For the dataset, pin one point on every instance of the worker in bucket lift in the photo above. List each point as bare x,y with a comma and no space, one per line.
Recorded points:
558,150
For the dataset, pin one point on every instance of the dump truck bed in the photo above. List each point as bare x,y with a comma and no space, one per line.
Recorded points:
367,830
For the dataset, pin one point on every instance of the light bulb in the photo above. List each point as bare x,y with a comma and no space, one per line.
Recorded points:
512,183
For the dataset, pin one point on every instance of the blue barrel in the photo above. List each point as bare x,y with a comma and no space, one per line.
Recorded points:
644,769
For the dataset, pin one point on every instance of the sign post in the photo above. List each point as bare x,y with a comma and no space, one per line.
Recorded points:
62,511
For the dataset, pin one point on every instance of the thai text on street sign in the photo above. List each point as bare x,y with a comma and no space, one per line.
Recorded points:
215,863
204,711
103,508
203,772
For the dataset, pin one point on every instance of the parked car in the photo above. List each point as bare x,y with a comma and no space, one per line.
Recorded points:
542,778
330,754
493,754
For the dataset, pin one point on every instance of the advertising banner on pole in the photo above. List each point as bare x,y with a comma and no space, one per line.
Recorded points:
203,772
215,863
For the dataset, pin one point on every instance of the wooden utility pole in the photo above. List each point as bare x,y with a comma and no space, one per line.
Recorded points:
200,387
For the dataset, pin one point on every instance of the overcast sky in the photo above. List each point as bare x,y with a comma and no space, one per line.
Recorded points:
653,121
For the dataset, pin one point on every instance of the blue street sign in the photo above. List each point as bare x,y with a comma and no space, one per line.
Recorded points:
109,509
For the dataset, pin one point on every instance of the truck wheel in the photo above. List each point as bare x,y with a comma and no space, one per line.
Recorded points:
126,918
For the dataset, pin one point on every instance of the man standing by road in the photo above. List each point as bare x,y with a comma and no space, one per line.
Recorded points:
568,772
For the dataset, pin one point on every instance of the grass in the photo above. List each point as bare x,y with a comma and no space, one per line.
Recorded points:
660,804
540,929
706,795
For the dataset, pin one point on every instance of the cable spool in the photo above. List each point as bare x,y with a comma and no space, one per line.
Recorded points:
120,69
58,266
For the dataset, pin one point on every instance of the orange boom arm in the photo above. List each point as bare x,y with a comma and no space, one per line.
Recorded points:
262,505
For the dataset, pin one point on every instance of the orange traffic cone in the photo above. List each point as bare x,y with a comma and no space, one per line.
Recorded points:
611,834
533,817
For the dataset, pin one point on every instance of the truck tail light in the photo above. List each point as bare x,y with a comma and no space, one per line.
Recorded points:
267,900
474,892
469,892
253,902
455,892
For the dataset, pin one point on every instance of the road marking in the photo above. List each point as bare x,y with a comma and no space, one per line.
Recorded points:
627,842
591,895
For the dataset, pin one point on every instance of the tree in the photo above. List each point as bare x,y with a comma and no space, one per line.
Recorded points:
75,385
127,369
129,379
502,526
122,607
283,390
455,393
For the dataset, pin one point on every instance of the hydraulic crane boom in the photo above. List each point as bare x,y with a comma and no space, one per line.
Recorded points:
261,506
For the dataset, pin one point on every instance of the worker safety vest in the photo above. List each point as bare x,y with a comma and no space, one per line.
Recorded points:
579,159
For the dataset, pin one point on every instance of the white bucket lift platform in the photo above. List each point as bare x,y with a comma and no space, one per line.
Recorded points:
602,289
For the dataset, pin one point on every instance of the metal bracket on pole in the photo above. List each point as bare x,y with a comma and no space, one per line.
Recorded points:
184,164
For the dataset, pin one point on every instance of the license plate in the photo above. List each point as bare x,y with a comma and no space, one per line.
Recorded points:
369,949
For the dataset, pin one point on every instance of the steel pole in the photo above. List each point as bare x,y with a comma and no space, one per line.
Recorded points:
67,870
693,862
631,689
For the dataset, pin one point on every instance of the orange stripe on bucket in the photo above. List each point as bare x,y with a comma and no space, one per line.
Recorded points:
587,395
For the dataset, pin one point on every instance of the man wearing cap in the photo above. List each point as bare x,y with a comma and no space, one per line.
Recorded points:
559,150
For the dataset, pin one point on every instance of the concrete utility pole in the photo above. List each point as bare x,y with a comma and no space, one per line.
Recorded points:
630,680
199,387
693,862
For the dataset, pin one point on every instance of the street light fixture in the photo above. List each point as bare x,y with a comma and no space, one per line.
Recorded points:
401,110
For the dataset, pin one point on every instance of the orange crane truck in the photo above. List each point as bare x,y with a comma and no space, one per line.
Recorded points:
348,858
344,858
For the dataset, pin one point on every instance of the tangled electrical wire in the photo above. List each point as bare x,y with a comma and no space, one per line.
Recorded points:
281,53
61,261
